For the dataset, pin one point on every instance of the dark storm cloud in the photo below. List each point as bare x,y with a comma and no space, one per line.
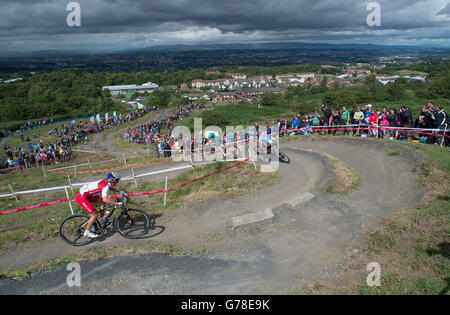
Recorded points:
46,19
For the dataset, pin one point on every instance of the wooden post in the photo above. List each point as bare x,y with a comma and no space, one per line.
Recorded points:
13,193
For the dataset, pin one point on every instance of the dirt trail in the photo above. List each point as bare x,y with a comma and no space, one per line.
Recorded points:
298,247
105,142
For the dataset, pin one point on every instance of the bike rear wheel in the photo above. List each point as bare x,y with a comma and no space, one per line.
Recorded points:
72,230
284,158
232,153
133,223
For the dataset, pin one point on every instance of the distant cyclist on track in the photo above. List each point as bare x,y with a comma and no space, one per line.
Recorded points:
91,193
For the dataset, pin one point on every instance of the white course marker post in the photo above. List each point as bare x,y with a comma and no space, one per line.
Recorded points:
70,183
134,177
443,136
124,160
43,170
70,204
89,162
165,193
13,193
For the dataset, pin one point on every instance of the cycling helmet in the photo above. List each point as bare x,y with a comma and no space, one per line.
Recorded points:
113,176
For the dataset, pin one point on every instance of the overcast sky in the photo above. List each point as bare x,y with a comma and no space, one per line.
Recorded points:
27,25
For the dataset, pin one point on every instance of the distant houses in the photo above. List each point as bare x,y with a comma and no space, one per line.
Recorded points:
237,76
238,81
237,86
11,80
385,79
294,79
248,94
239,94
196,96
117,90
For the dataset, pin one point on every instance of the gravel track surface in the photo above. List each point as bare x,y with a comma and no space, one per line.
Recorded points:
310,243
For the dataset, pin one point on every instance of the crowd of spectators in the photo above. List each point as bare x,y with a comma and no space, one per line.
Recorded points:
364,122
368,122
152,133
35,152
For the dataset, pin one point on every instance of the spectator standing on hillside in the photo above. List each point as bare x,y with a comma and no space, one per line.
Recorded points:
367,114
315,118
383,123
407,120
358,118
441,123
345,119
326,117
296,123
373,123
392,118
336,120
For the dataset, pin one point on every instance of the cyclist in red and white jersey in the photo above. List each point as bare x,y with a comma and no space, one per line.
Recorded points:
91,193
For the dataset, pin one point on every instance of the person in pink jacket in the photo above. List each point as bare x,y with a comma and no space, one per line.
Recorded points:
384,123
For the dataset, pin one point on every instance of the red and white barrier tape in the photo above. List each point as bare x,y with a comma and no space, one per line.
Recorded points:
45,204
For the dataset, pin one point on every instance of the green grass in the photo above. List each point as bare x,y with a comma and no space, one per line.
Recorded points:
380,241
411,245
247,114
394,284
394,153
436,153
418,238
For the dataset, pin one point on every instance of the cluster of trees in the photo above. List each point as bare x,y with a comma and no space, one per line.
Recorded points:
74,92
400,90
54,94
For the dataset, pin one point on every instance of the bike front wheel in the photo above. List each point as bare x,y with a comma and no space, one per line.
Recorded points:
72,230
133,223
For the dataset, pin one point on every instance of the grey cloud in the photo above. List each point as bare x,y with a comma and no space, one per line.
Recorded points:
445,11
280,19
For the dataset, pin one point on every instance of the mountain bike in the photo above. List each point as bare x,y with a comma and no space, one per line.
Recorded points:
227,152
263,148
130,223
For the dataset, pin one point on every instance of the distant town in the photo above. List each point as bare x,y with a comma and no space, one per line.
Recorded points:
237,86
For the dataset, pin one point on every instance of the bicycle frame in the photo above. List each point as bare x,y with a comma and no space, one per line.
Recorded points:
103,226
